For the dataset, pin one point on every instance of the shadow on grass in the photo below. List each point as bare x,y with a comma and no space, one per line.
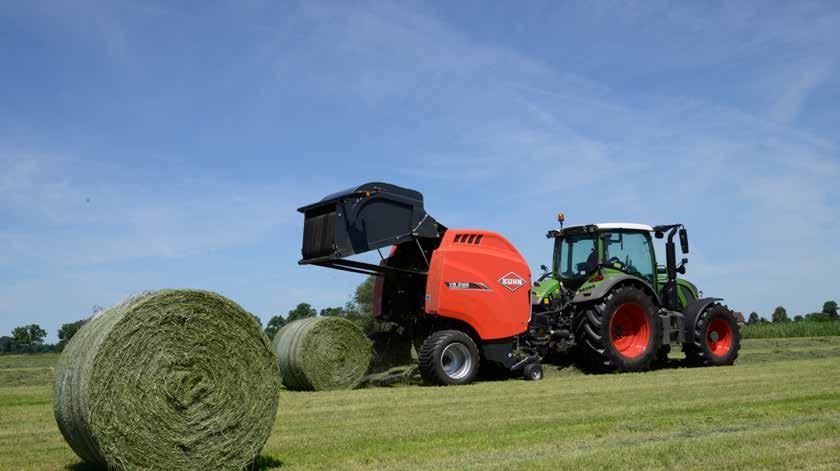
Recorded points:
82,466
262,463
265,462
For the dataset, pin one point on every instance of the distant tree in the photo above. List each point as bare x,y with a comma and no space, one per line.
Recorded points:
7,345
67,331
830,309
754,318
302,311
780,315
818,317
274,324
333,312
363,296
798,318
359,309
28,337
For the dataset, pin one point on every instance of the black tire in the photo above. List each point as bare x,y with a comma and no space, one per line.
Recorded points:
710,346
533,372
449,357
599,349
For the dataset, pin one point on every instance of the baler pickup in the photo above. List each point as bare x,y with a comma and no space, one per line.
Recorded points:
364,218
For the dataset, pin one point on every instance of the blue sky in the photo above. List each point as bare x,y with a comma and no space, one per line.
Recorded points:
149,145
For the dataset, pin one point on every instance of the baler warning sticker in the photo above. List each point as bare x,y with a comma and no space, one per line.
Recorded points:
512,281
467,285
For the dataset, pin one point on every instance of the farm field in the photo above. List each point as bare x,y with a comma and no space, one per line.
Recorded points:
778,408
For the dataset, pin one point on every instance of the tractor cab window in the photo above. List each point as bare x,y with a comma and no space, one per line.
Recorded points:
575,256
629,252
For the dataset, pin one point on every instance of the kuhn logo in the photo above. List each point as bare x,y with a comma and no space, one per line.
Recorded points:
512,281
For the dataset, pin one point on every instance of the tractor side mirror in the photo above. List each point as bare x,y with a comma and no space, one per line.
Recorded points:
543,268
684,240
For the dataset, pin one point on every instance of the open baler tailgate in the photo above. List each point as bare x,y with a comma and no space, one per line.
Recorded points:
368,217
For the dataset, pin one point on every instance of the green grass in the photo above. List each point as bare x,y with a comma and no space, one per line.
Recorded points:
778,408
791,329
28,360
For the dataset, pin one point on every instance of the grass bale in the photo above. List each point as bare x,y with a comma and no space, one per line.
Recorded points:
321,354
173,379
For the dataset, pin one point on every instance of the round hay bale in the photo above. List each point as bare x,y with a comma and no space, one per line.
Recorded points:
173,379
322,353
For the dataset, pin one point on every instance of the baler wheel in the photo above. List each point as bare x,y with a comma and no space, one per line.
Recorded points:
717,338
533,372
619,333
449,357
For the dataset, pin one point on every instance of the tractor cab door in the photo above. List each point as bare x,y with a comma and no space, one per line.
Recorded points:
630,252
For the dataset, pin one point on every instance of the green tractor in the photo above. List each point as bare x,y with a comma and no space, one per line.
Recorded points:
606,298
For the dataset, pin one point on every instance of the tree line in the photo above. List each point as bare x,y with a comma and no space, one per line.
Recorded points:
359,310
829,312
30,338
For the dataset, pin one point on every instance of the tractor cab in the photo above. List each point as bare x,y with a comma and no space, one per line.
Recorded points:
587,255
582,251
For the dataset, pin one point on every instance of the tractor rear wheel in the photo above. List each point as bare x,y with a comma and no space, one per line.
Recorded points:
448,357
717,338
620,332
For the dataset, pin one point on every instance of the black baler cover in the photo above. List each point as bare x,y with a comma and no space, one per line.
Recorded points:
364,218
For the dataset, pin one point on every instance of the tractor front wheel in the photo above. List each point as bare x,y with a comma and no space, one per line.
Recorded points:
448,357
619,333
717,338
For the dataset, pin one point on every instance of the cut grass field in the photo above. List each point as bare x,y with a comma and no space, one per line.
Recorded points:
778,408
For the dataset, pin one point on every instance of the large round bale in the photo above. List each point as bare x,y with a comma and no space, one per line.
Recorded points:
322,353
173,379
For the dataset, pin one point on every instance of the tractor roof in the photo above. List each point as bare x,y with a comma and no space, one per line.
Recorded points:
627,226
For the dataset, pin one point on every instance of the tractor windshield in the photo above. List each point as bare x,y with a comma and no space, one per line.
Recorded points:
575,256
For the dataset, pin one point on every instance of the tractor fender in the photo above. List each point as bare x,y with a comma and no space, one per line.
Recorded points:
607,285
691,312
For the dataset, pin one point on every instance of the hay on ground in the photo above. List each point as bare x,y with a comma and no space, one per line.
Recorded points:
173,379
322,353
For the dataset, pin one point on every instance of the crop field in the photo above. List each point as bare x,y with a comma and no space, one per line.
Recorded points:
778,408
791,329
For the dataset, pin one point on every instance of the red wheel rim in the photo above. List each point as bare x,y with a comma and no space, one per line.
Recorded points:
719,337
630,330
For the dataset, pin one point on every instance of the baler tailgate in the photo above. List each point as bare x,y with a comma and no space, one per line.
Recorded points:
361,219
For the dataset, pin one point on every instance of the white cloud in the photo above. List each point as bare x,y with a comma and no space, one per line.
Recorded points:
803,79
